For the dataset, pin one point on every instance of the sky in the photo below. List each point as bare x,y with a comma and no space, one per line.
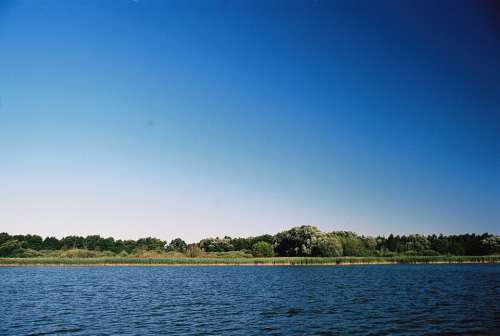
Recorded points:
196,119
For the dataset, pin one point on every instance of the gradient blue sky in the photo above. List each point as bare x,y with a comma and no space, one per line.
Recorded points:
205,118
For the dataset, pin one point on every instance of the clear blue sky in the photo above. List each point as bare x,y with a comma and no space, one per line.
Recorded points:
205,118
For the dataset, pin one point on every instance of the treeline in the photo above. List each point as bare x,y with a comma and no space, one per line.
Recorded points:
303,241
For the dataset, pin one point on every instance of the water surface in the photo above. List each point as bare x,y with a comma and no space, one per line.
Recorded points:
251,300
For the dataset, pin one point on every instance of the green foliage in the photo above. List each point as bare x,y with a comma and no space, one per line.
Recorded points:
491,245
417,243
28,253
247,243
73,242
353,244
262,249
327,245
297,241
303,241
370,243
34,242
216,244
4,237
51,243
439,244
126,245
178,245
11,248
150,244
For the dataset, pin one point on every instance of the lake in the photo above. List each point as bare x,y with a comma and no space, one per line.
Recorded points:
251,300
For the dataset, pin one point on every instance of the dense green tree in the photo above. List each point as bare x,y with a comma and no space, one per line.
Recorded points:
178,245
217,244
266,238
417,243
262,249
51,243
392,243
370,243
439,244
297,241
129,245
456,247
241,243
34,242
151,244
327,245
73,242
4,237
107,244
125,245
491,245
92,242
353,246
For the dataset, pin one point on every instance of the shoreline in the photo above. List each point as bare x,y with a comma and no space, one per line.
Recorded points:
294,261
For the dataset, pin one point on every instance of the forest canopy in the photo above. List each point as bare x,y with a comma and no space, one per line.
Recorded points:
302,241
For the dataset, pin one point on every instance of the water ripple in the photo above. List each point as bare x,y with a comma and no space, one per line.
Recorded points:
343,300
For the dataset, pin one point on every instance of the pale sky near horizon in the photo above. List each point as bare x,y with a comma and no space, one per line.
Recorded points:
209,118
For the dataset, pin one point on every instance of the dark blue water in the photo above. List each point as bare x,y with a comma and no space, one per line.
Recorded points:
339,300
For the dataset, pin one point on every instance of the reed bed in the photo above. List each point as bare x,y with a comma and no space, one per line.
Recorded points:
251,261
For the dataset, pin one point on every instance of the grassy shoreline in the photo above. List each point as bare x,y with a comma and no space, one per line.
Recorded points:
274,261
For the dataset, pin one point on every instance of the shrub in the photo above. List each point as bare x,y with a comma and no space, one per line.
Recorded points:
123,254
78,253
193,251
228,254
27,253
149,254
9,247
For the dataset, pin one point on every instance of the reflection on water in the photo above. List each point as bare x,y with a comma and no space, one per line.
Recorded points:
243,300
